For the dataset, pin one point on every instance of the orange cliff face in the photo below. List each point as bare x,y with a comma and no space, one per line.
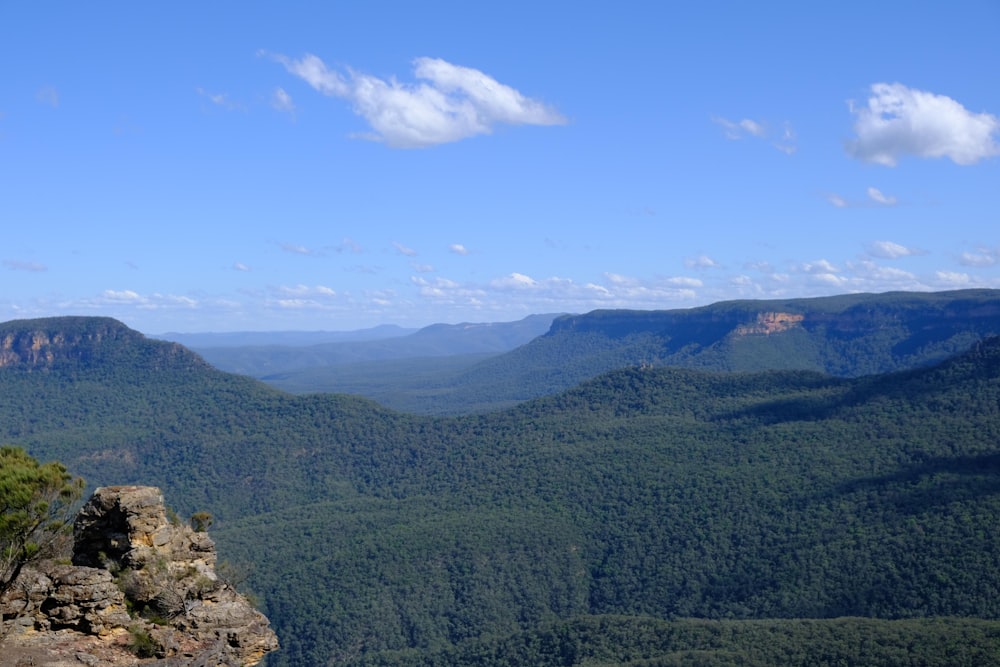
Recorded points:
769,323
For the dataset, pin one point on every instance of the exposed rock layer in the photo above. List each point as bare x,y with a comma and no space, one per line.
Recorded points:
139,587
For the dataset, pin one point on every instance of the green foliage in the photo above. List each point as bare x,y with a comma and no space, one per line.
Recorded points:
655,492
200,521
35,503
141,643
618,641
846,336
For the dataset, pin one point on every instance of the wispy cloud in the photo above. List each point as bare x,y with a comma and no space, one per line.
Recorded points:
22,265
346,245
282,101
154,301
876,195
738,129
701,262
449,104
890,250
240,266
953,278
305,291
981,257
734,130
820,266
787,144
458,249
875,198
900,121
220,100
297,249
403,250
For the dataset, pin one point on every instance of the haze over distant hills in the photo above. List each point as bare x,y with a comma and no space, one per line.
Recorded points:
846,336
289,338
284,352
583,526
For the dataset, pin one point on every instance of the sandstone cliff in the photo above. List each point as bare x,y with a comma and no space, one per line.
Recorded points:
140,590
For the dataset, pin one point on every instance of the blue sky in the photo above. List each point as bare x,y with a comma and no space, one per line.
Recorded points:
220,166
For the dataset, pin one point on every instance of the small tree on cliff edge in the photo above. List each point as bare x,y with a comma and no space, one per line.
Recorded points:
36,502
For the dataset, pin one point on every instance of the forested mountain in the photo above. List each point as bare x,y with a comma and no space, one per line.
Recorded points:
845,336
281,360
568,526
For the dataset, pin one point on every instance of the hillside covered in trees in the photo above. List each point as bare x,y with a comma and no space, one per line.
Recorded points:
582,527
845,336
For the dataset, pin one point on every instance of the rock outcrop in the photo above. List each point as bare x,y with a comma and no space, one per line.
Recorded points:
140,590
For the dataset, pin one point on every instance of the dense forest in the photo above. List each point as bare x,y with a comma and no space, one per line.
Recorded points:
592,526
845,336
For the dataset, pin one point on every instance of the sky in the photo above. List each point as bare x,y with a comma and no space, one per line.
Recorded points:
264,166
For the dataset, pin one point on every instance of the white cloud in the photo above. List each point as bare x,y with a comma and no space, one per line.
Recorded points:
736,130
123,295
240,266
890,250
888,276
982,257
515,280
403,250
683,281
787,143
818,267
876,195
282,101
449,104
900,121
952,278
154,301
300,291
752,127
458,249
422,268
296,249
701,262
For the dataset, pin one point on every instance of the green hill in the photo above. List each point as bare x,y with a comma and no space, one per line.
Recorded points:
373,536
846,336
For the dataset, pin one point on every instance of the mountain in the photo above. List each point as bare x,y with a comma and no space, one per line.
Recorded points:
846,336
375,537
437,340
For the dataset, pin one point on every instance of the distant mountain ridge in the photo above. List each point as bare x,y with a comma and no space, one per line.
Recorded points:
436,340
846,336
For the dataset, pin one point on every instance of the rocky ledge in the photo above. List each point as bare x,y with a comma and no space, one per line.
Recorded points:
139,589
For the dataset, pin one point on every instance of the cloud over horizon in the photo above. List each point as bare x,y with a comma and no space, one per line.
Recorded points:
900,121
449,103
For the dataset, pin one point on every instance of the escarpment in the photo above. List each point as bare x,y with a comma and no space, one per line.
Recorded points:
140,589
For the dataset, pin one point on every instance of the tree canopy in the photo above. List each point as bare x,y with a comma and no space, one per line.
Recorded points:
36,502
